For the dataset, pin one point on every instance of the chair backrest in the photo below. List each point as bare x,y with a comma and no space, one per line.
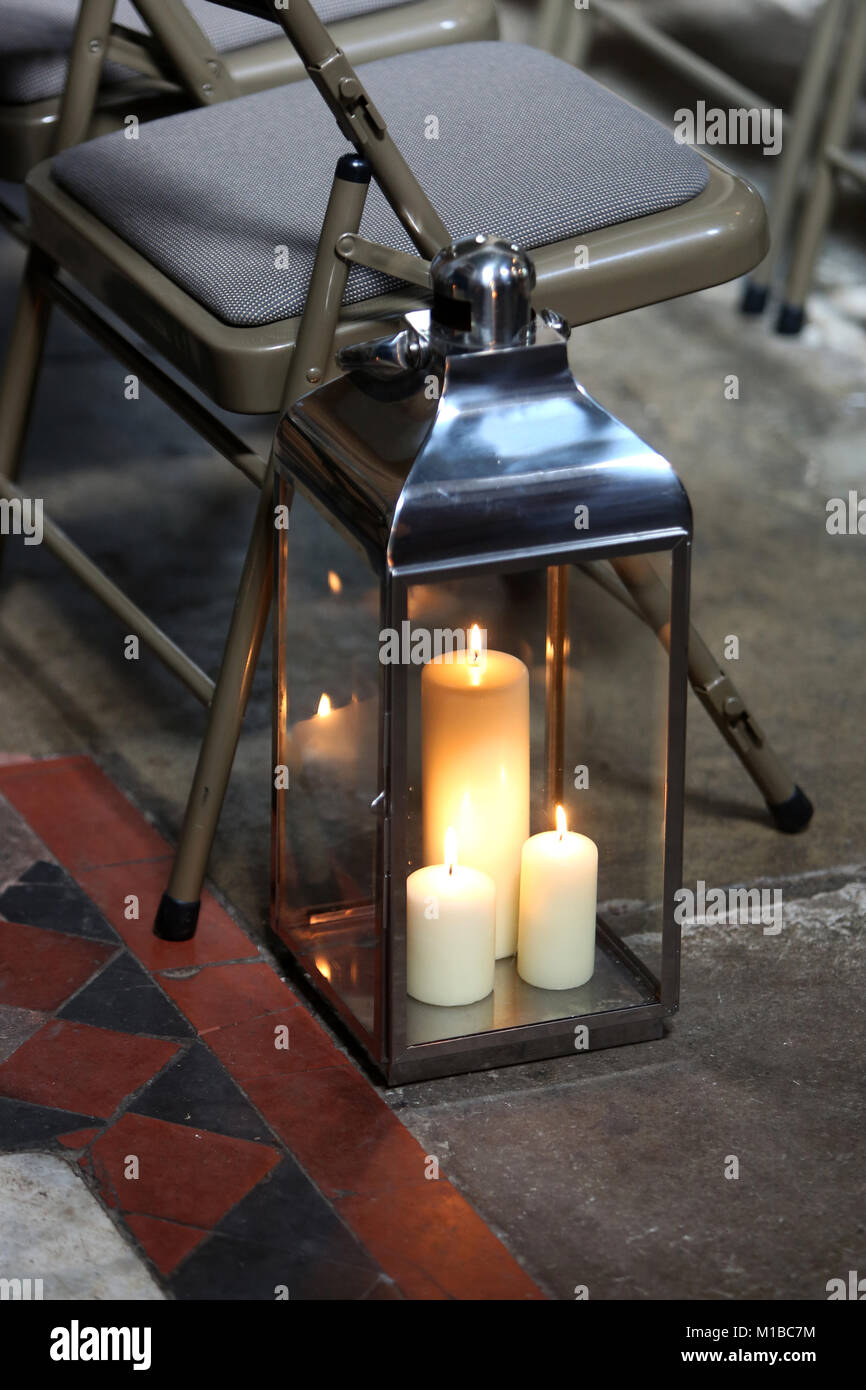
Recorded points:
356,115
177,44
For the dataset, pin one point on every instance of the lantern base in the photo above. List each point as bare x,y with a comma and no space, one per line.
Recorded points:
176,921
794,814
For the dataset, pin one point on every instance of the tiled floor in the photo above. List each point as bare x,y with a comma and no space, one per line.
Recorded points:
211,1119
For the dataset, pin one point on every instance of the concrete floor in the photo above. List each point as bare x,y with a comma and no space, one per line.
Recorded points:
604,1170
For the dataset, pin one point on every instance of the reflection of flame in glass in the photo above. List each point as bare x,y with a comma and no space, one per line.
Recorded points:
450,848
561,823
335,583
323,967
324,707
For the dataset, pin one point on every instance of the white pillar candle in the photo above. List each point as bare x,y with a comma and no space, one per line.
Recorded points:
475,768
558,887
450,931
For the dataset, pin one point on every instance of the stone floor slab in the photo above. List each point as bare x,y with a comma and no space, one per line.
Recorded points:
54,1229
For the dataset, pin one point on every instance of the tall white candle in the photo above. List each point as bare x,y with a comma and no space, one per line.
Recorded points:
475,768
558,888
450,931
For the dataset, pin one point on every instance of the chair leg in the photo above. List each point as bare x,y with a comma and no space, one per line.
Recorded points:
21,367
177,916
800,133
549,24
178,911
820,206
580,27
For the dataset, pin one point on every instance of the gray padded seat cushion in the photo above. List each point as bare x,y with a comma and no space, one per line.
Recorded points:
36,35
529,147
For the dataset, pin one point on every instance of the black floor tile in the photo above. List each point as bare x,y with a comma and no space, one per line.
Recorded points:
43,871
223,1268
196,1091
124,997
23,1126
47,897
288,1212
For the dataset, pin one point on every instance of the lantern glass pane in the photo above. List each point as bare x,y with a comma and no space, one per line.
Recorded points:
327,894
485,761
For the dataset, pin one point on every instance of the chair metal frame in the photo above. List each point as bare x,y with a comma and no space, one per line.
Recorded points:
658,265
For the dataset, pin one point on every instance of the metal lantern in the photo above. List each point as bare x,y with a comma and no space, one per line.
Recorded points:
481,662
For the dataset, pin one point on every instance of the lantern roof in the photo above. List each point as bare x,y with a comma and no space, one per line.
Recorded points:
479,458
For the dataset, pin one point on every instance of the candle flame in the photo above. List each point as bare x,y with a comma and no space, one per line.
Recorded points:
561,822
335,583
450,849
323,967
324,707
475,644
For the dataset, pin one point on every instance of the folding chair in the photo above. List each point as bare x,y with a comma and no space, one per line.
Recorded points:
616,213
801,209
816,132
147,58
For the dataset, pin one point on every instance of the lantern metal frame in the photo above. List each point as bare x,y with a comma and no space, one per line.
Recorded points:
444,508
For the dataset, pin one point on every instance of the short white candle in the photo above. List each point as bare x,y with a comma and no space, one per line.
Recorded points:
450,931
558,887
475,768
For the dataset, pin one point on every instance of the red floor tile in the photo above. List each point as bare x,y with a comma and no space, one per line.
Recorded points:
248,1050
39,969
188,1175
224,994
340,1130
79,813
75,1067
163,1241
435,1246
217,938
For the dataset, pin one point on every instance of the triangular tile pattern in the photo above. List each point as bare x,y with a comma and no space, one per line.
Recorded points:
124,996
24,1125
196,1090
46,896
42,968
254,1162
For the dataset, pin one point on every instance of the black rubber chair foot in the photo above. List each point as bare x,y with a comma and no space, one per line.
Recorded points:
176,921
794,814
791,319
754,299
